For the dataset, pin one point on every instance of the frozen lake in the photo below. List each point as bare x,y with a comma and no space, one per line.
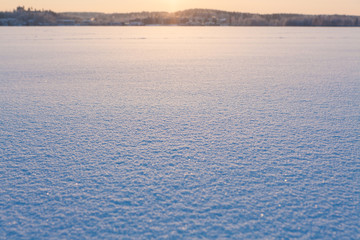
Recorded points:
179,133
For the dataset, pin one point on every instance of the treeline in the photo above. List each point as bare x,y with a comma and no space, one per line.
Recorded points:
193,17
248,19
28,17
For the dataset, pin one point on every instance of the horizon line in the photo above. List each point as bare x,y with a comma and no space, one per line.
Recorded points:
171,12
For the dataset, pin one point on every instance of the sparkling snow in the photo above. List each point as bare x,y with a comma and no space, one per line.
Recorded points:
180,133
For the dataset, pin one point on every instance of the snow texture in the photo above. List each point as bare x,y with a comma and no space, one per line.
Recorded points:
179,133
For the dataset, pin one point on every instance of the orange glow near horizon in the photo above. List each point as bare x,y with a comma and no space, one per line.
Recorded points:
349,7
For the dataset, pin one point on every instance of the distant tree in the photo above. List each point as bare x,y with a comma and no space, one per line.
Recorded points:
336,22
20,9
348,22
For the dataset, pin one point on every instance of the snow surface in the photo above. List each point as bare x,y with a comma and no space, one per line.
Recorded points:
179,133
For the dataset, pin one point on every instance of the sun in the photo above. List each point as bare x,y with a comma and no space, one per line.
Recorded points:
171,5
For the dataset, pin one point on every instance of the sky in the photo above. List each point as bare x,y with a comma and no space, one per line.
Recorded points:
349,7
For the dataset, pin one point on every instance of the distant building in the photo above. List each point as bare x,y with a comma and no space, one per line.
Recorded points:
135,23
9,22
66,22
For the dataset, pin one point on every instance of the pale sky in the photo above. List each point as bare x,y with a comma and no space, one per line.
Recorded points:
349,7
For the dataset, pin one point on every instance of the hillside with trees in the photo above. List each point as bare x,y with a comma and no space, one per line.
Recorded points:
192,17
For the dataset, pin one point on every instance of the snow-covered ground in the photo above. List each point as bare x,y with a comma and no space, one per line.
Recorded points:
180,133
